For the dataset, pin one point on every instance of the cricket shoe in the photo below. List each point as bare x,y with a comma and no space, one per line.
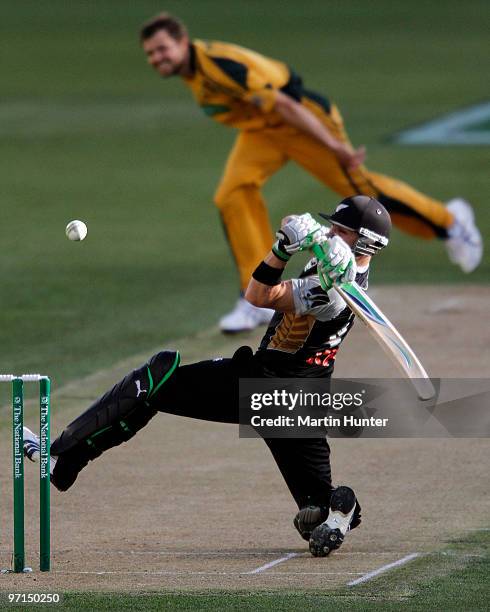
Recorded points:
244,317
31,445
308,518
32,448
329,535
62,473
464,243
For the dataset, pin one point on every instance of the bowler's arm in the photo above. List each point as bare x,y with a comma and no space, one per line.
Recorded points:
303,119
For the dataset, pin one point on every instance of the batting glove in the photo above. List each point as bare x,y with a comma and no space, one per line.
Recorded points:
297,234
338,265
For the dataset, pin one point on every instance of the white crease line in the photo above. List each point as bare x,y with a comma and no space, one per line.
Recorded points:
451,553
144,573
212,553
383,569
262,568
202,553
310,573
179,573
479,529
223,553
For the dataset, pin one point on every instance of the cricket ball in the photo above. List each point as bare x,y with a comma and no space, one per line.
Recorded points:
76,230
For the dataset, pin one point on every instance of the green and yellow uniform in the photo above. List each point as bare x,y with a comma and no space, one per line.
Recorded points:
238,87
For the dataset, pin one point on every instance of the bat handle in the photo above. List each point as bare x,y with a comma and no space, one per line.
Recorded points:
317,251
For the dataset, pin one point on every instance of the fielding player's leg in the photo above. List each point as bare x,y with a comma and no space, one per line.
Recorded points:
464,244
112,419
243,211
411,211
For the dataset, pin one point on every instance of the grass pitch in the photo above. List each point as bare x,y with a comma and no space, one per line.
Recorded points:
454,578
88,131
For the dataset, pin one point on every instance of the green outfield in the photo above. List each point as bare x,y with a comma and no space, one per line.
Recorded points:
88,131
455,578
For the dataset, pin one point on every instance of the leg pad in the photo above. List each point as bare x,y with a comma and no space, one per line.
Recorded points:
112,419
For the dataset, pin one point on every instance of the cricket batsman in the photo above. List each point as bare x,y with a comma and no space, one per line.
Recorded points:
310,322
278,119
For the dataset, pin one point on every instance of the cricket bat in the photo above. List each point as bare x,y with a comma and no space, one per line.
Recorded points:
385,333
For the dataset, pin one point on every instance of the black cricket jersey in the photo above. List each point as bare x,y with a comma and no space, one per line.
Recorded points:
305,343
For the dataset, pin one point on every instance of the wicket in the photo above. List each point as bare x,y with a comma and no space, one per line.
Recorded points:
18,468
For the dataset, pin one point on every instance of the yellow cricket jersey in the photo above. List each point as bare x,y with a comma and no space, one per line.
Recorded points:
237,87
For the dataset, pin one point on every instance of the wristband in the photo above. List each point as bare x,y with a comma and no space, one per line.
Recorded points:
267,275
279,253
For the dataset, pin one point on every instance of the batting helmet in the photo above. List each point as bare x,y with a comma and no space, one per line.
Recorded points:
368,218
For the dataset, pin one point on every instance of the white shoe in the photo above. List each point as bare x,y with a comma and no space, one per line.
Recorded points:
464,245
244,317
330,534
32,448
31,445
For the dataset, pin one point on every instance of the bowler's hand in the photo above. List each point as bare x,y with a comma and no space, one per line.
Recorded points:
350,159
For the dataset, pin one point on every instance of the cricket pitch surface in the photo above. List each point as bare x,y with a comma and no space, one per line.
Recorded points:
187,505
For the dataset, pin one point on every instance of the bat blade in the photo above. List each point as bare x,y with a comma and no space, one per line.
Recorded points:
388,337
